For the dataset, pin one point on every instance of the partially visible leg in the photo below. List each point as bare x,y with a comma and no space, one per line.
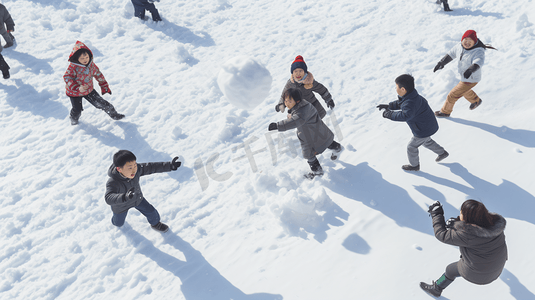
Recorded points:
9,40
118,219
412,150
446,5
97,101
152,215
470,95
433,146
76,109
315,166
4,67
457,92
139,12
436,287
154,12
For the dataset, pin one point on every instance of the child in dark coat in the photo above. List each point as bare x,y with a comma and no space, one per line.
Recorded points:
5,31
303,80
480,237
140,6
414,109
312,133
124,192
79,83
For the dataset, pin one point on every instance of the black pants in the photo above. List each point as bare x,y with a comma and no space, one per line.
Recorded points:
139,11
95,99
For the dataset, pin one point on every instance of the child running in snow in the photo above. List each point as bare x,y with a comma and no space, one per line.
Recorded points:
5,18
471,53
312,133
79,83
414,109
123,191
303,80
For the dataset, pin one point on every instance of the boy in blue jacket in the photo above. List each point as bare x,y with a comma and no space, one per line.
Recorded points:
414,109
123,191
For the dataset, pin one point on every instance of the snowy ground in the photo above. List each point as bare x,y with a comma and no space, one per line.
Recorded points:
255,229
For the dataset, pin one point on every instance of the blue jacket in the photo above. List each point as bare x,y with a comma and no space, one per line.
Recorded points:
414,109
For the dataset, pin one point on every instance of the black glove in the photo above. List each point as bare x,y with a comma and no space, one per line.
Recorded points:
382,106
277,109
444,61
272,126
449,222
130,194
387,113
435,209
439,66
330,104
470,70
175,164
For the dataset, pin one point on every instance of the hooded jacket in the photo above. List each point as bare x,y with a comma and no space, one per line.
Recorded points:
415,110
80,75
118,185
307,86
483,250
312,133
468,57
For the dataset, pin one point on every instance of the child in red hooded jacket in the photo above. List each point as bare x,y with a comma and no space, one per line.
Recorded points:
79,83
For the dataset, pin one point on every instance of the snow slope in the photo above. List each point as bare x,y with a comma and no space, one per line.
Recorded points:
244,223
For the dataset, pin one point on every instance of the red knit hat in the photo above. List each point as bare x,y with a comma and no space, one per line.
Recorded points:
299,62
470,34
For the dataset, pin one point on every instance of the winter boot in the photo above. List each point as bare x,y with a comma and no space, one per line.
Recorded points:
442,156
446,5
475,104
438,113
435,289
410,168
336,151
4,67
74,121
161,227
316,169
114,114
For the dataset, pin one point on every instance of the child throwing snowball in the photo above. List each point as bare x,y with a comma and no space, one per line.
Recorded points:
471,54
303,80
79,83
312,133
123,191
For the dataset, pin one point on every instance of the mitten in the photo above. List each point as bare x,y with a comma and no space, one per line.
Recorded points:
272,126
175,163
382,106
436,209
129,194
387,113
449,222
470,70
330,104
105,88
444,61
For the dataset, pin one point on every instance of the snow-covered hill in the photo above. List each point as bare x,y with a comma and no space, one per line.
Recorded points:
248,226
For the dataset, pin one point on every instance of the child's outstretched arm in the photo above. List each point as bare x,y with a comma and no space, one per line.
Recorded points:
104,86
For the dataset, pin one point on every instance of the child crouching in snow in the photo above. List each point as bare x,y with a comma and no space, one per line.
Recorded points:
471,53
303,80
79,83
312,133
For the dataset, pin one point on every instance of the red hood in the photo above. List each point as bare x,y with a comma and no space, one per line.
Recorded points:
79,45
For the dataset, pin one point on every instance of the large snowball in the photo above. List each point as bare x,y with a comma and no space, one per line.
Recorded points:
244,82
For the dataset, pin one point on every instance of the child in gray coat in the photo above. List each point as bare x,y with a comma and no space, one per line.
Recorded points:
5,18
313,134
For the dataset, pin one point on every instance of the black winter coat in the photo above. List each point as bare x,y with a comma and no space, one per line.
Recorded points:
416,112
118,185
483,250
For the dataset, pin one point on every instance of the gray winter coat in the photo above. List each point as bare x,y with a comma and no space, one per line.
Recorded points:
5,17
476,55
308,94
483,250
313,134
118,185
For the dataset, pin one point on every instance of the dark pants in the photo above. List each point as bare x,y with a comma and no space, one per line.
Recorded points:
93,98
452,271
145,208
139,11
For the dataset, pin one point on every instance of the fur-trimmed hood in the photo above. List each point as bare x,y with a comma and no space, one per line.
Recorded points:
475,230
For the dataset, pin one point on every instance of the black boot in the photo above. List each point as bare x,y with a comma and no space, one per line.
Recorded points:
316,169
114,114
161,227
446,5
74,121
435,289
